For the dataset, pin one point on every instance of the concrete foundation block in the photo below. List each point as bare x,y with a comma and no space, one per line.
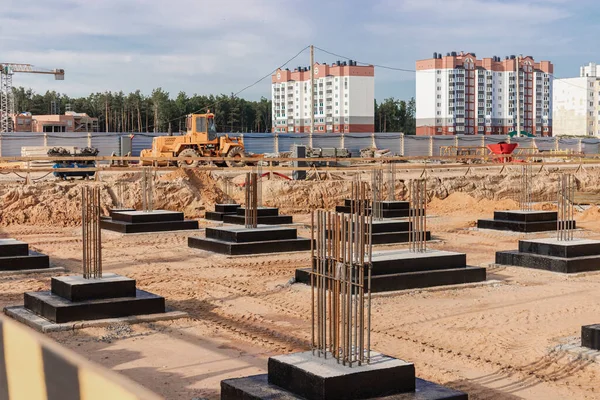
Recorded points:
590,336
60,310
33,260
148,227
77,288
261,211
523,221
12,247
246,235
262,247
264,220
227,208
549,263
258,387
136,217
560,248
323,378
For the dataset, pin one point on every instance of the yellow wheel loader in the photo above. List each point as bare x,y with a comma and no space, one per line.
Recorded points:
200,140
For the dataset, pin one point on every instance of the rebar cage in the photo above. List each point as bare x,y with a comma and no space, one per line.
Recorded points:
91,232
418,216
147,190
377,193
341,254
525,202
251,205
566,210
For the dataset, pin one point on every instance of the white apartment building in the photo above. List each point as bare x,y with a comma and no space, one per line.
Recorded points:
577,103
344,98
460,94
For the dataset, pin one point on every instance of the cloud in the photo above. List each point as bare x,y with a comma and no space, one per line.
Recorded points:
196,46
202,46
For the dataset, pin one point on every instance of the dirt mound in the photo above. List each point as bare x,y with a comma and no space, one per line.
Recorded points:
592,214
458,202
59,203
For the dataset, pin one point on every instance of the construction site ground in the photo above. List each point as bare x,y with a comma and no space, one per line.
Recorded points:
498,340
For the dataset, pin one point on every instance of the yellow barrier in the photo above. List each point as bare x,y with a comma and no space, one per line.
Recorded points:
32,367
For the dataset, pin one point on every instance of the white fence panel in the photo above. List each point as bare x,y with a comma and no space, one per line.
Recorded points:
441,141
545,143
416,145
390,141
354,142
287,140
327,140
11,143
108,143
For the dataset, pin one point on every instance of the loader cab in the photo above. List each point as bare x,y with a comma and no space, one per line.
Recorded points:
202,124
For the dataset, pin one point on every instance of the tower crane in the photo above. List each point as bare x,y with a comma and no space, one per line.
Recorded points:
7,101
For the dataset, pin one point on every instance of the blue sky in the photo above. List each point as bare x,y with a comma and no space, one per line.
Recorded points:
201,46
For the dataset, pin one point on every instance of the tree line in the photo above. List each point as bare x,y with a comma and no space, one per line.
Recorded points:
159,112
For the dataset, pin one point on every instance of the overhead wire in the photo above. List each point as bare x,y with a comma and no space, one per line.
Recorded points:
414,70
234,95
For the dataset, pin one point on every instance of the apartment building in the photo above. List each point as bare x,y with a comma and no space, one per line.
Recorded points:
344,98
461,94
576,103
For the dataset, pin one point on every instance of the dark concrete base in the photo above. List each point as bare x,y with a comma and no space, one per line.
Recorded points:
393,213
590,336
144,222
324,378
258,388
57,309
77,288
415,280
220,211
305,376
12,247
15,255
552,255
266,220
402,269
33,260
522,221
148,227
234,249
118,210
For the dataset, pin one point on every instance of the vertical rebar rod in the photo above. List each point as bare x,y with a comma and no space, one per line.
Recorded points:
418,216
91,232
340,293
525,193
566,211
391,181
251,203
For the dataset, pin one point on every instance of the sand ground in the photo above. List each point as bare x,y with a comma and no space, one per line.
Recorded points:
495,341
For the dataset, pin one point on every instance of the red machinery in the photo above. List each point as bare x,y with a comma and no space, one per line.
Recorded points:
502,148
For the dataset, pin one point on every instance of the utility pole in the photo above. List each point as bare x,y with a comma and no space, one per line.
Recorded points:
518,98
312,92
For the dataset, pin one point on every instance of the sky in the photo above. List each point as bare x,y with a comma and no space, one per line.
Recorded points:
214,47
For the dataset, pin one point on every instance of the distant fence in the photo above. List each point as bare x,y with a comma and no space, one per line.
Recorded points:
35,367
397,143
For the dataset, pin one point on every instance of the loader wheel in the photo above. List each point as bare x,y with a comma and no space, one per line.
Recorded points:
188,153
236,152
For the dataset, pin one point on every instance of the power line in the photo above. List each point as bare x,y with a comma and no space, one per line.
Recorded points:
365,63
240,91
414,70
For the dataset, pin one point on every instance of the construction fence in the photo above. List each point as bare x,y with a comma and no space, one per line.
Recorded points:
399,144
